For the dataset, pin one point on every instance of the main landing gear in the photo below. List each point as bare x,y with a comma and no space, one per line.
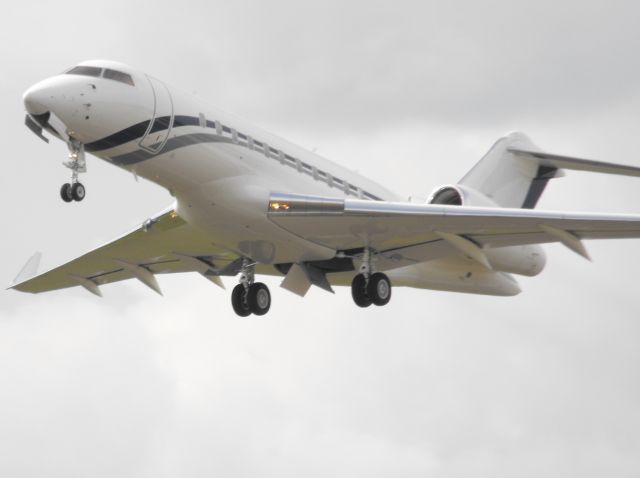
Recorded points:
250,297
368,288
74,191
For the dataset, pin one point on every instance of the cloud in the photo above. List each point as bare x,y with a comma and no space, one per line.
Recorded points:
431,384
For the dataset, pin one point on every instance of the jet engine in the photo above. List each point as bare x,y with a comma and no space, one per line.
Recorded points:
527,260
459,195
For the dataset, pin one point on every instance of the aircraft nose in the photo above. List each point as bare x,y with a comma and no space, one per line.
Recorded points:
35,100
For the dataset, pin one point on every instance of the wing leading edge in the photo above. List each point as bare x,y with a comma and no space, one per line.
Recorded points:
433,231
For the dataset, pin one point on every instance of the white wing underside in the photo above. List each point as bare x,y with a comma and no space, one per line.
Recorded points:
166,244
402,234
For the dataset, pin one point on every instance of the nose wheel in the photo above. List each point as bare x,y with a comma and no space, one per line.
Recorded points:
72,192
75,190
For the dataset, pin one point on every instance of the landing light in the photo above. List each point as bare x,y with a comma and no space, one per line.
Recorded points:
279,206
173,214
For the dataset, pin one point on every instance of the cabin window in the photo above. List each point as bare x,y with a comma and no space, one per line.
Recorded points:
85,71
118,76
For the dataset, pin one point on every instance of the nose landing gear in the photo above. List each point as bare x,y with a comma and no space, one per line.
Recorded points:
74,191
250,297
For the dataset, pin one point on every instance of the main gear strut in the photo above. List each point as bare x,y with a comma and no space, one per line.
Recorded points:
250,297
370,288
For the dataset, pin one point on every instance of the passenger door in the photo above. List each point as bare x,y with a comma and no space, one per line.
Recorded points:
160,125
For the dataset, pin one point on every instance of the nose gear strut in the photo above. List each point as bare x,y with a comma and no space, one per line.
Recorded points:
74,191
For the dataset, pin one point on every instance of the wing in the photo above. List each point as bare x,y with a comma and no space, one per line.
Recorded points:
406,233
163,244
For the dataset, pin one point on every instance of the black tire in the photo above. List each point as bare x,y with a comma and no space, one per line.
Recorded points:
379,289
359,291
78,192
65,192
259,298
239,301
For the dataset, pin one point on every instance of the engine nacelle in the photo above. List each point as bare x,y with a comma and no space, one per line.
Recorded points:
527,260
458,195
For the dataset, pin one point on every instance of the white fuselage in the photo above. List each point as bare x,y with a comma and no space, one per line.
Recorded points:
222,171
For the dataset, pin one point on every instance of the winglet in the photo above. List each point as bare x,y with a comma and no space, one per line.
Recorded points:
29,270
571,241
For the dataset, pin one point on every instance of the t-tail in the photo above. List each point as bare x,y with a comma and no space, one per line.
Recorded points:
514,173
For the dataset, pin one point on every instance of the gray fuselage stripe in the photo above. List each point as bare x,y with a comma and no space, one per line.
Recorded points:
171,145
178,142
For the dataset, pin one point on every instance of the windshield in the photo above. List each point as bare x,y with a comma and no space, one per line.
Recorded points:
98,72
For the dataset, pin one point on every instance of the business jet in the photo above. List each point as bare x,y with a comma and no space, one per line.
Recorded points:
248,203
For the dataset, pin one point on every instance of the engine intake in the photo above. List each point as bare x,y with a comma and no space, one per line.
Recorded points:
448,195
458,195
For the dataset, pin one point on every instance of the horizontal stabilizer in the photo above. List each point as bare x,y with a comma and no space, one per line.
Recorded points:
515,172
577,164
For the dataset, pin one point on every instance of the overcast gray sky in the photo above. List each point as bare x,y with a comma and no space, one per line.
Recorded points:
434,384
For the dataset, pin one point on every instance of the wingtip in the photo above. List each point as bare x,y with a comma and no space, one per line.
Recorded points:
29,270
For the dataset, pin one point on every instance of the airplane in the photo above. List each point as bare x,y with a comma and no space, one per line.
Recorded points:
249,203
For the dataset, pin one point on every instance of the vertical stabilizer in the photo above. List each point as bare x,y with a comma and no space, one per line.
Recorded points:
508,178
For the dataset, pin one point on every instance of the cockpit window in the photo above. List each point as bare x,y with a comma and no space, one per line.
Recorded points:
85,70
102,72
118,76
